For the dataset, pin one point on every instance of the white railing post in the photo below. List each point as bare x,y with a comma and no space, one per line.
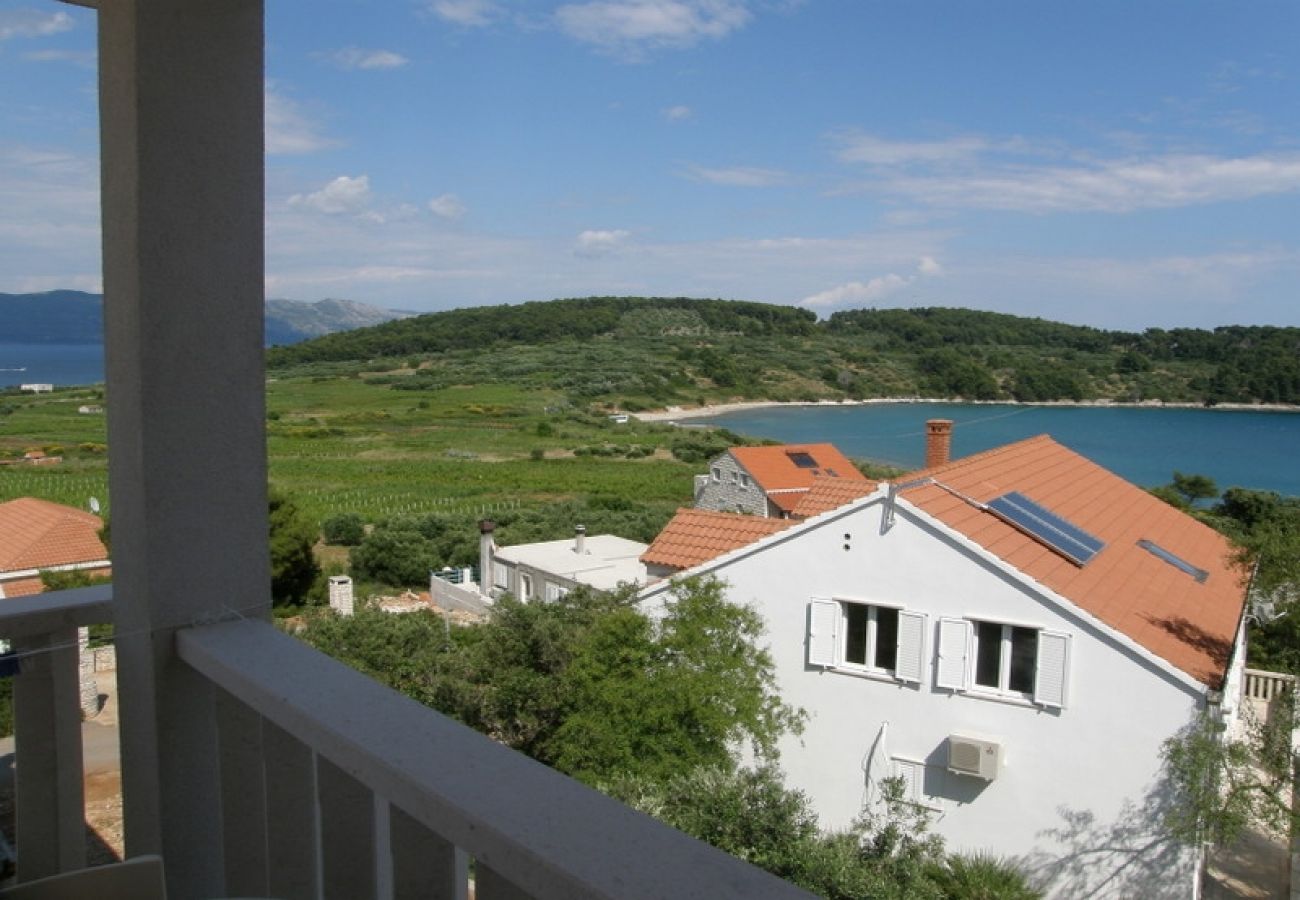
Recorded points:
425,867
292,840
243,797
49,797
347,834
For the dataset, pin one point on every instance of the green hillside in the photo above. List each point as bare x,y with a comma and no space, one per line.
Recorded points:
637,352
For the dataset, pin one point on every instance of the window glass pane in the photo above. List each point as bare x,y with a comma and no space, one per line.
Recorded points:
1024,656
988,653
886,638
855,636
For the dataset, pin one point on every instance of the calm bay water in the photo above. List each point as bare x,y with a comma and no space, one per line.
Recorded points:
57,364
1251,449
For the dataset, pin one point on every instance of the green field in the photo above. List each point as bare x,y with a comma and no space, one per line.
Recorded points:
341,444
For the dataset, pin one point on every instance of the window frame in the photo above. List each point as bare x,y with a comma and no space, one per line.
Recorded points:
957,662
828,634
871,643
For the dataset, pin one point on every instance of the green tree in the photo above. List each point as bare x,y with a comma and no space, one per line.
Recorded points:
1194,487
348,529
294,570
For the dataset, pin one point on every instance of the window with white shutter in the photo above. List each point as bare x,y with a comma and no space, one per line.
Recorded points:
910,665
954,654
1053,667
823,634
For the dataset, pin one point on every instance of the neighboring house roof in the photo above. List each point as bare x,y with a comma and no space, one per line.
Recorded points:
1189,623
37,534
607,560
695,536
787,471
829,493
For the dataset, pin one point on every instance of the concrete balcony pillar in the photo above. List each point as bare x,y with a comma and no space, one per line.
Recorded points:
181,100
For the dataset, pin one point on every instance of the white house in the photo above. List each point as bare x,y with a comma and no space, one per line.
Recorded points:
547,570
1015,634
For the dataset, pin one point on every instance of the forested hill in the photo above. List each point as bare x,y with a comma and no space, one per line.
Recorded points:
638,351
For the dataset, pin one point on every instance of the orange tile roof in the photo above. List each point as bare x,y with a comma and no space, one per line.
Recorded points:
775,472
1189,624
37,534
829,493
695,536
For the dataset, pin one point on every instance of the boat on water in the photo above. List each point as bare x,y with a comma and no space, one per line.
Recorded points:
14,369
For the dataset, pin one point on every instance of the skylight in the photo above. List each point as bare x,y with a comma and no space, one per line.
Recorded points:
1044,526
801,459
1174,560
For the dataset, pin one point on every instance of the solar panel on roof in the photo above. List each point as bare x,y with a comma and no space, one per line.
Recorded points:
801,459
1043,525
1174,560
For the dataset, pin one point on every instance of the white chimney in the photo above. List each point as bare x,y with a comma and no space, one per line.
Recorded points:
580,540
486,546
341,594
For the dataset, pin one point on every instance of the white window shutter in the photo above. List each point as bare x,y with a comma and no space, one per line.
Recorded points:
910,665
912,773
954,654
823,632
1053,668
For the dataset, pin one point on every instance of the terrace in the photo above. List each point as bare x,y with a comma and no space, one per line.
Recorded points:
251,763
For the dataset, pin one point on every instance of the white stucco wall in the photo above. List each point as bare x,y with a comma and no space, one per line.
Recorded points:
1076,798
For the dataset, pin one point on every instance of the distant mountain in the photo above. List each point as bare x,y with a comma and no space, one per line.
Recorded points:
76,317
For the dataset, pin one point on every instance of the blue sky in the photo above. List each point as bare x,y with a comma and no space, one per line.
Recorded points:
1120,164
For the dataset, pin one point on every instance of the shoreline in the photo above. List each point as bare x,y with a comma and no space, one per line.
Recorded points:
674,413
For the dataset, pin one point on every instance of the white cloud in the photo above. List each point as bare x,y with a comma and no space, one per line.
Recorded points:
876,151
467,13
631,27
1114,186
357,58
84,58
972,172
340,196
288,129
29,23
873,291
447,206
676,113
592,244
738,176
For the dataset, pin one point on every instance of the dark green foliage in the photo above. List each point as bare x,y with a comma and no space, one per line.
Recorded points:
1194,487
294,571
587,683
1218,787
400,555
62,581
889,853
348,529
645,352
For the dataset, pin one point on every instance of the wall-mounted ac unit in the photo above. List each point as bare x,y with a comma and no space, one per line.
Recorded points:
976,757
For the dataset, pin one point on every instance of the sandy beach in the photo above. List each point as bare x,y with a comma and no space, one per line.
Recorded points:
679,413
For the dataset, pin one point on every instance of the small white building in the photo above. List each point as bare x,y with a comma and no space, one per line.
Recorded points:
548,570
1015,634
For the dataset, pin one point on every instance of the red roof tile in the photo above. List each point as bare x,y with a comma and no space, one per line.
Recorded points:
776,472
37,534
695,536
1191,625
829,493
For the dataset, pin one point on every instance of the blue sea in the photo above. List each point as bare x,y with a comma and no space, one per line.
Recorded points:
57,364
1237,448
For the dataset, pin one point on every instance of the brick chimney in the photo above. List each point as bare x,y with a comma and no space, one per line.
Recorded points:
486,546
938,442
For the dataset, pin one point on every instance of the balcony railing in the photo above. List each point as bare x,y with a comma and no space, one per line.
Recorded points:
332,785
1266,686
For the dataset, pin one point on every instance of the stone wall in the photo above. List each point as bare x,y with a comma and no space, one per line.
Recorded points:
730,489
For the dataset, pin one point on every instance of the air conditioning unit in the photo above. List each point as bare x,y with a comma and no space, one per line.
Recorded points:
976,757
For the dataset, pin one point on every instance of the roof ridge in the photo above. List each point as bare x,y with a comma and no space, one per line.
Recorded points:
983,454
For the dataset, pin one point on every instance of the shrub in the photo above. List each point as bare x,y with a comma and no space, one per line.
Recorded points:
347,529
